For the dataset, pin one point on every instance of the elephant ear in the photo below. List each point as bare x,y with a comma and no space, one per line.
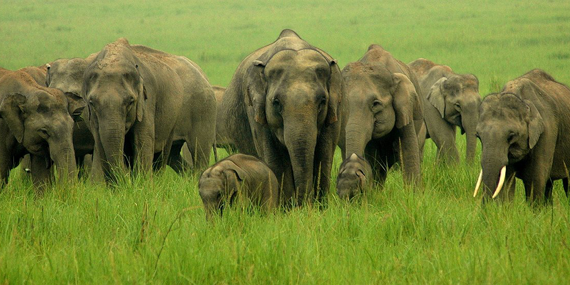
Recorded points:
142,96
11,112
257,90
75,105
336,92
535,125
436,97
405,101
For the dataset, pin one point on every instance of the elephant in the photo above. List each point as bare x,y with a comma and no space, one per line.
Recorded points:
525,133
35,120
449,100
67,76
386,116
143,104
285,105
354,177
238,176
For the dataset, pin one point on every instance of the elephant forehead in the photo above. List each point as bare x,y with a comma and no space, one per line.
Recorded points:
300,59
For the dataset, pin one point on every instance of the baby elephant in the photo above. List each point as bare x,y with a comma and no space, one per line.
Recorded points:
354,177
242,176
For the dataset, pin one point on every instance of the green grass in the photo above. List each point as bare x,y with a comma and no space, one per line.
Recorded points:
152,230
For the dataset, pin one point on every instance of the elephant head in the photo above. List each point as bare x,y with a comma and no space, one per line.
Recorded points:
456,98
219,185
295,92
115,93
509,127
39,118
66,75
354,177
379,102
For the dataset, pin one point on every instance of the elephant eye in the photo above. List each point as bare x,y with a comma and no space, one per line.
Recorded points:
511,137
276,104
376,103
457,105
43,133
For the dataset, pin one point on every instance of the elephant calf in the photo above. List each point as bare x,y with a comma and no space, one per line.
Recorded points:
239,175
354,177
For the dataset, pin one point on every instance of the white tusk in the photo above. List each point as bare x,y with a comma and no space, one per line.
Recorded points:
478,184
501,181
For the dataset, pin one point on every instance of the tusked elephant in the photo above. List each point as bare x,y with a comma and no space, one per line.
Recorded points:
385,122
449,100
143,104
354,177
35,120
286,106
238,176
525,133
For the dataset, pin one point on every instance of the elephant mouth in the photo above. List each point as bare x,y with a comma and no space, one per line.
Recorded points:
499,185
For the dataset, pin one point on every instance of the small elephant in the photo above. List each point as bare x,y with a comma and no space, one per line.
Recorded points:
286,105
525,133
143,104
386,117
449,100
238,176
37,120
354,177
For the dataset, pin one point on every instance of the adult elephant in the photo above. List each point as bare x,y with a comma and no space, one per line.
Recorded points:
450,100
525,133
37,120
144,103
385,114
285,105
67,76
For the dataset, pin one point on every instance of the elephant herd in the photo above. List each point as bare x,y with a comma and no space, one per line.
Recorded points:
286,109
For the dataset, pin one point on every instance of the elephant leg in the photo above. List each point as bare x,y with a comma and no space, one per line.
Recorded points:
97,171
422,134
548,191
143,149
176,161
80,161
200,142
41,168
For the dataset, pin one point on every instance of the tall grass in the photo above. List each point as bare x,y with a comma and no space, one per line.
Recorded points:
153,229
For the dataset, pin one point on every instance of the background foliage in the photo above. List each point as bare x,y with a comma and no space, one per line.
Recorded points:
152,229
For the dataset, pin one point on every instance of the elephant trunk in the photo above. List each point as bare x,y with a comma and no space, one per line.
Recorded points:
357,137
493,164
301,143
113,141
63,156
469,119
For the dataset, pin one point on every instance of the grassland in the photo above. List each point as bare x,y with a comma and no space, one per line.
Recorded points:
152,229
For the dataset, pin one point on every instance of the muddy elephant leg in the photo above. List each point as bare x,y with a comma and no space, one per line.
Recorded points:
200,142
41,172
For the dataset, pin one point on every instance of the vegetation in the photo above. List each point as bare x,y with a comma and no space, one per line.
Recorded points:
153,230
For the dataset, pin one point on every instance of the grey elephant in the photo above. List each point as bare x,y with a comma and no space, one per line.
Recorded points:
386,118
354,177
285,105
35,120
144,103
450,100
238,176
67,76
525,133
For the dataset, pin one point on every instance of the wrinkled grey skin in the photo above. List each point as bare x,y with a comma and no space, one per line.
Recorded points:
67,76
143,105
238,176
385,114
35,119
527,129
449,100
354,177
286,105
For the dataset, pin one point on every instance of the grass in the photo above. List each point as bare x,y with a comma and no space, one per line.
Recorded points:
152,229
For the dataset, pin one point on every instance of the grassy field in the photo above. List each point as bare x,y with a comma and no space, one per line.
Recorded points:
152,229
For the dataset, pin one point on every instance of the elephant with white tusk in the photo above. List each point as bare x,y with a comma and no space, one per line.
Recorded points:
525,133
